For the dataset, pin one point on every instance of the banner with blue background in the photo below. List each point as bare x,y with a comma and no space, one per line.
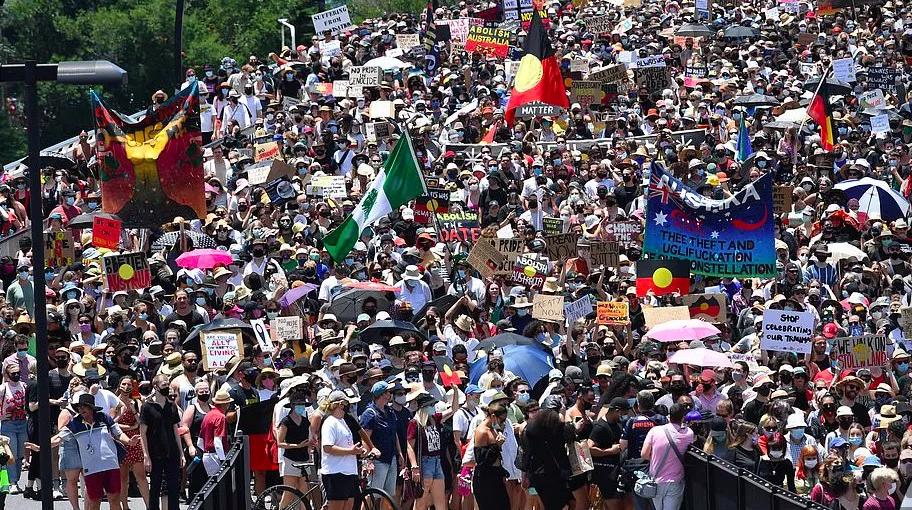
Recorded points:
732,237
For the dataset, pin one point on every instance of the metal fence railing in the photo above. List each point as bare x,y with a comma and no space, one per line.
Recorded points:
229,489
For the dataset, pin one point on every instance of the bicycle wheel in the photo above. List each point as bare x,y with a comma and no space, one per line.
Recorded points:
377,499
271,499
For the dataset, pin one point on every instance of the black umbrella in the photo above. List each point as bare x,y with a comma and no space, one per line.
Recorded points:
694,30
381,329
740,32
169,239
756,100
506,339
442,303
830,87
193,338
346,305
56,160
85,220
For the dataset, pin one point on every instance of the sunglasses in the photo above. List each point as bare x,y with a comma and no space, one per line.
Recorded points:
770,429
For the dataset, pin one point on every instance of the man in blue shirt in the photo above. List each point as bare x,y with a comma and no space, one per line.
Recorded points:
379,421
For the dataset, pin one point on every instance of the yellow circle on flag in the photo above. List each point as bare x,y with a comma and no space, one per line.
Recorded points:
529,73
126,272
432,205
529,271
662,277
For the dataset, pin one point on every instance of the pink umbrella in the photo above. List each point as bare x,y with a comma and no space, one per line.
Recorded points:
204,258
682,330
379,287
701,357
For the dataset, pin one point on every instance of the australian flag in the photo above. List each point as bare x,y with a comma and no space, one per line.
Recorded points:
432,51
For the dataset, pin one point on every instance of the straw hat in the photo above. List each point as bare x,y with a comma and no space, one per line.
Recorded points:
88,362
464,322
222,397
24,325
172,365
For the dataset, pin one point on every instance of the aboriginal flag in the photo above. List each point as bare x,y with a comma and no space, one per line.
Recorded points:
819,111
538,77
662,277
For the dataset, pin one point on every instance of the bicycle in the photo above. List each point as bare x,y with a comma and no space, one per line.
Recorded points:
368,498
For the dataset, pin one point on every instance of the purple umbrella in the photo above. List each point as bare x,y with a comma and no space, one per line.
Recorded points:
295,294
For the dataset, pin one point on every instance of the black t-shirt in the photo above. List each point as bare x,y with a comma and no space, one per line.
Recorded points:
160,422
192,319
57,386
294,434
605,435
753,411
242,396
860,411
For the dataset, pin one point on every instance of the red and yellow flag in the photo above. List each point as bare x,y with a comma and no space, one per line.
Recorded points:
538,77
819,112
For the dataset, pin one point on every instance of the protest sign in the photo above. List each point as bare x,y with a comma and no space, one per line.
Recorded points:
599,24
660,315
127,271
328,186
485,258
652,74
342,88
219,346
58,248
604,253
529,270
863,351
394,52
578,309
751,361
381,130
522,10
407,41
561,246
702,8
610,74
905,320
782,198
330,48
458,227
625,233
807,69
880,123
365,76
735,238
552,226
510,248
586,92
260,331
844,69
872,99
434,201
884,78
651,61
493,42
806,39
324,88
265,151
694,74
579,65
458,30
787,331
332,20
549,308
538,109
280,191
287,328
709,307
382,110
106,232
612,313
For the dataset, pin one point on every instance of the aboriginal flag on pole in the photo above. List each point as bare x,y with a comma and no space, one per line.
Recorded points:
662,276
819,111
538,77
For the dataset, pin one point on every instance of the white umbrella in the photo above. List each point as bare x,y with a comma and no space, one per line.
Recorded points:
876,197
386,63
841,251
797,115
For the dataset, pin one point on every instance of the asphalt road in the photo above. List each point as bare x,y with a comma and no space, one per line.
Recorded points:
18,502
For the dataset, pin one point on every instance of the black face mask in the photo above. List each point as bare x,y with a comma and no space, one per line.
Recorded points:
324,213
845,423
203,397
427,376
258,252
677,387
15,377
764,391
164,391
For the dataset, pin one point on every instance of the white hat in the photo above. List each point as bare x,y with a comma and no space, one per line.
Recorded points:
795,421
411,273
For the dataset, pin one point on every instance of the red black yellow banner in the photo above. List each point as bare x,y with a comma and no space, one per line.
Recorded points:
538,77
664,276
819,111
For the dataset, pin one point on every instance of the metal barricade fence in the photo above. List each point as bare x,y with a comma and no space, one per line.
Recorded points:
229,488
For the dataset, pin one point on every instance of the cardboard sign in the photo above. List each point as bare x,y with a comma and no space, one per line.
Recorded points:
872,99
611,74
287,328
752,364
625,233
365,76
458,227
660,315
458,30
219,346
586,92
864,351
382,110
787,331
807,69
905,320
261,332
494,42
511,248
579,65
266,151
599,24
106,232
530,271
485,259
58,248
880,123
883,78
782,198
332,20
342,88
381,130
127,271
612,313
562,246
578,309
552,226
604,253
708,307
407,41
436,200
537,109
844,69
654,78
549,308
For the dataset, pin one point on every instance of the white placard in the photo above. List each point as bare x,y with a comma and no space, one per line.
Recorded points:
407,41
844,69
218,347
261,332
577,309
394,52
288,328
873,99
330,48
880,123
364,76
331,20
787,331
653,61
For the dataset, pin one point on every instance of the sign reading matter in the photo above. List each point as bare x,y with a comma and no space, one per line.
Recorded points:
332,20
219,346
127,271
488,41
861,351
787,331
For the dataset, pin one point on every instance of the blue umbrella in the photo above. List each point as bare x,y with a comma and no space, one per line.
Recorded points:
876,197
529,362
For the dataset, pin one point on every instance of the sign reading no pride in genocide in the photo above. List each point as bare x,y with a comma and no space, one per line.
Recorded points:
787,331
861,351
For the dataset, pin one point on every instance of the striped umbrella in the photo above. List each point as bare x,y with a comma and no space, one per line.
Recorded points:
876,197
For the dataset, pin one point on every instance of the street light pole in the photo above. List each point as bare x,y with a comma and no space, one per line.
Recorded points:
179,43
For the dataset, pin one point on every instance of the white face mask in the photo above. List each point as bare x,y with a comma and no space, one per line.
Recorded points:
892,488
400,399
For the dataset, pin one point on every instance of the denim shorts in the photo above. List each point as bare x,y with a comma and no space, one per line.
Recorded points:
431,469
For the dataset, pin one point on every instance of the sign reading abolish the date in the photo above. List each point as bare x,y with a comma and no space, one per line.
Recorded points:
458,227
861,351
488,41
787,331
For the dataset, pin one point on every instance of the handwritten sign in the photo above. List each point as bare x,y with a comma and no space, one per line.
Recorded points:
599,24
332,20
880,123
510,248
287,328
127,271
530,271
266,151
488,41
106,232
578,309
844,69
884,78
58,248
407,41
562,246
365,76
586,92
660,315
219,346
864,351
458,227
485,259
261,332
782,198
612,313
610,74
872,99
604,253
787,331
548,308
625,233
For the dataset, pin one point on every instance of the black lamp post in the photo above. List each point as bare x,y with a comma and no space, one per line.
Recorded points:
97,72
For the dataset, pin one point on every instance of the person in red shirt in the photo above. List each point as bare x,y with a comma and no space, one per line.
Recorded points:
214,432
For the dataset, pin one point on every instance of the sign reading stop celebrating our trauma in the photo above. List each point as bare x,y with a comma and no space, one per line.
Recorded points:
127,271
787,331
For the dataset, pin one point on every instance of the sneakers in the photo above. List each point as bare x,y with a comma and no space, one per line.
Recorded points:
14,489
58,496
30,493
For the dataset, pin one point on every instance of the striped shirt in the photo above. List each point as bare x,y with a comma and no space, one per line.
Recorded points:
825,275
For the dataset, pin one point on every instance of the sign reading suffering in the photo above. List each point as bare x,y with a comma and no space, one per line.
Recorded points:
494,42
106,232
612,313
127,271
863,351
58,248
548,308
332,20
219,346
529,270
458,227
787,331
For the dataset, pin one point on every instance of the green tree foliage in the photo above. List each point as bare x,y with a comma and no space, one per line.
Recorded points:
13,146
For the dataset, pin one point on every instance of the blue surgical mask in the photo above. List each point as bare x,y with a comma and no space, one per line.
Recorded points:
523,398
855,441
201,301
522,312
272,315
23,275
902,367
797,434
631,402
761,163
300,410
70,200
144,316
